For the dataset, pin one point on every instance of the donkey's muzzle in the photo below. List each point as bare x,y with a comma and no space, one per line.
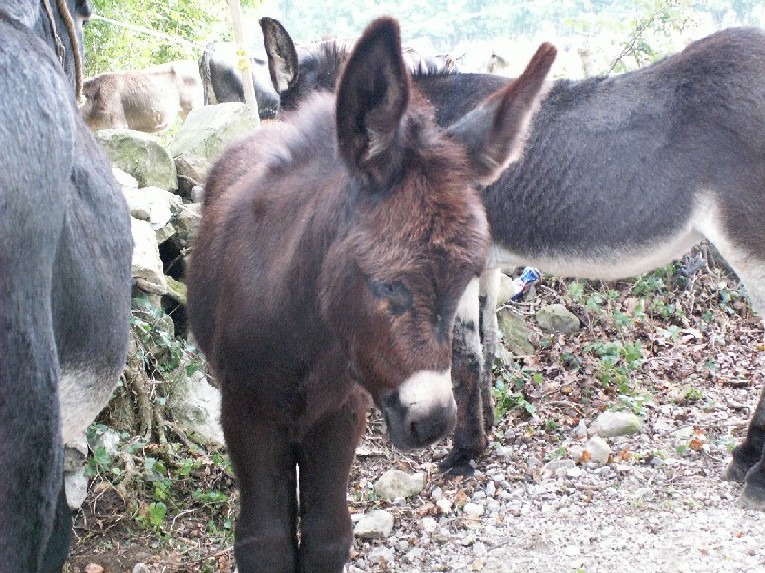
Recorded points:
421,411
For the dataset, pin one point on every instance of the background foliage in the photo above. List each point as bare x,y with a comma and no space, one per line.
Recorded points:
181,27
642,29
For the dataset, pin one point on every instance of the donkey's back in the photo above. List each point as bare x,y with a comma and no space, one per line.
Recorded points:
623,173
281,187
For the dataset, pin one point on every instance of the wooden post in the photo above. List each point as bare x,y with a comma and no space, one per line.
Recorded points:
244,56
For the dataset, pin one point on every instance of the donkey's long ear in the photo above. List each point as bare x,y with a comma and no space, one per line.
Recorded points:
372,97
494,132
282,55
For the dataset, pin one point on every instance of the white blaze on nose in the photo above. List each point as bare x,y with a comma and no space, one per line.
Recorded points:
425,390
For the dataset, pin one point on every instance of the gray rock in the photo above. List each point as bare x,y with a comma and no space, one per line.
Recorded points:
153,204
557,318
176,290
429,524
598,449
580,432
165,233
125,180
574,473
556,465
610,424
382,555
516,334
506,289
146,262
75,488
396,483
141,155
473,510
685,433
197,193
444,505
187,223
204,134
195,406
377,524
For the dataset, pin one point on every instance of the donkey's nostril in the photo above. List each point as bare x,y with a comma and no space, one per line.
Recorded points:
427,430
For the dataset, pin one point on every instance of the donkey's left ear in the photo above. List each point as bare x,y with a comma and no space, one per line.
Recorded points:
493,133
282,55
372,97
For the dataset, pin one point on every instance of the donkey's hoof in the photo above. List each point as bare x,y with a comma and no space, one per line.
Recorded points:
752,497
459,462
736,471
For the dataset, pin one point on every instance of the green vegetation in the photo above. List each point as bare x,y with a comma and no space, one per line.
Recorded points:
618,360
157,482
509,389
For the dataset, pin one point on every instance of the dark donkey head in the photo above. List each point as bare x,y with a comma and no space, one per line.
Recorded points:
295,75
297,71
391,283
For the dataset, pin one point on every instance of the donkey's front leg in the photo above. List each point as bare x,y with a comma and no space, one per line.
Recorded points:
469,435
264,464
489,287
748,463
324,459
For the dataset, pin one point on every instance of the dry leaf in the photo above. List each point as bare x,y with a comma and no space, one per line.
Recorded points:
697,444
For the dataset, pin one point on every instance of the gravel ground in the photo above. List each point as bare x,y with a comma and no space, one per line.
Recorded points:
660,506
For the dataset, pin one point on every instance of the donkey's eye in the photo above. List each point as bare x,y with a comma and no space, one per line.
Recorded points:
397,295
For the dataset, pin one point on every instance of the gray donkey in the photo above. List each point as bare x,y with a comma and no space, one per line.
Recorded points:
619,175
65,252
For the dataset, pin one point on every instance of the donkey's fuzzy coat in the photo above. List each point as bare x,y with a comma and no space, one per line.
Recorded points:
333,251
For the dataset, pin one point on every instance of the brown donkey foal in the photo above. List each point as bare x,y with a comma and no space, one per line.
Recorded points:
333,252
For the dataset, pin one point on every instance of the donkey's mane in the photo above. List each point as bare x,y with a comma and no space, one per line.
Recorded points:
329,56
326,59
431,69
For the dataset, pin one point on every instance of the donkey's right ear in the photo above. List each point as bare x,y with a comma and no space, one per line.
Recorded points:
493,133
282,55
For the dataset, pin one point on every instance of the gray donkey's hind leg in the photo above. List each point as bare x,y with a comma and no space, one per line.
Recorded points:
490,283
748,463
